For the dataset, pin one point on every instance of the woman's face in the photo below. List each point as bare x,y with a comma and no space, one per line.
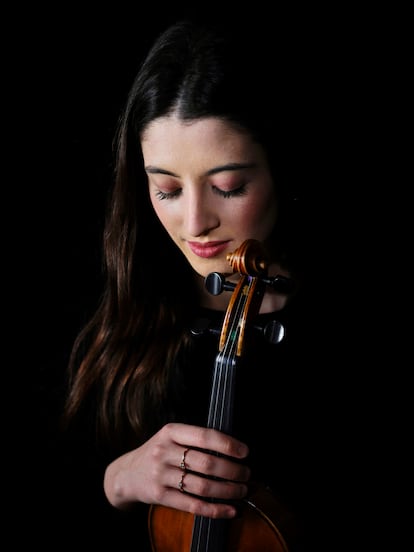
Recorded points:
210,186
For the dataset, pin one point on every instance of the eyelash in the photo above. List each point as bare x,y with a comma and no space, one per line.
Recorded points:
227,194
167,195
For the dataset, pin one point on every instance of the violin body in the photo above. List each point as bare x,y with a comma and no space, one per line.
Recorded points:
258,527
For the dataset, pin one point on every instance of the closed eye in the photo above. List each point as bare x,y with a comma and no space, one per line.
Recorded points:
241,190
168,195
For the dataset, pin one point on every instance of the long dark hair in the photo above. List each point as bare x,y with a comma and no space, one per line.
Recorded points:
125,356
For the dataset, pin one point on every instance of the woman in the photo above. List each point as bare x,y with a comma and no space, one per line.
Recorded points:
204,157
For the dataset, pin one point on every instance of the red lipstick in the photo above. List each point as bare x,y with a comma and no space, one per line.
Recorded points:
207,250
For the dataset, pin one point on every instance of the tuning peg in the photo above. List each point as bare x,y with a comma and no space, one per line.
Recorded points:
273,332
279,283
201,326
216,283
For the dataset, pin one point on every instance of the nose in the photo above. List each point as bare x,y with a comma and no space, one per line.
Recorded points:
201,214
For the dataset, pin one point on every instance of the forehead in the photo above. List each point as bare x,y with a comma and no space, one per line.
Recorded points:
170,135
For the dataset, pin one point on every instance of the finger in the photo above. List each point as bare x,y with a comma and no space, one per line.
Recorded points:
197,506
204,487
212,465
205,438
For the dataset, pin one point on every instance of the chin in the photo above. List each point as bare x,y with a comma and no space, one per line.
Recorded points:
205,268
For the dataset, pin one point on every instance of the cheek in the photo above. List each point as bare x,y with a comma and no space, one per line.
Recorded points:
166,215
160,212
260,214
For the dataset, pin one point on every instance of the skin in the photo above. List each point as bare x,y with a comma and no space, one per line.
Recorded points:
209,183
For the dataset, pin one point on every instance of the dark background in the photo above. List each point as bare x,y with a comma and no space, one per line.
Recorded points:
68,74
71,74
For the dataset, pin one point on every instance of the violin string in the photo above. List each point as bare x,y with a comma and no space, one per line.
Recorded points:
222,381
228,359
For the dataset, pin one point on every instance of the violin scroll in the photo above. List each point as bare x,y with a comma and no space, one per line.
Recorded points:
249,258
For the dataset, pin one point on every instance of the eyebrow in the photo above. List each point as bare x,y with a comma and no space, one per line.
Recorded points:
229,167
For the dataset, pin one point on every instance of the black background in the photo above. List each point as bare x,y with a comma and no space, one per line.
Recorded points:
68,74
71,72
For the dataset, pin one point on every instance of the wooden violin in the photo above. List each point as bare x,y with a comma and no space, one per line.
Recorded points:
259,525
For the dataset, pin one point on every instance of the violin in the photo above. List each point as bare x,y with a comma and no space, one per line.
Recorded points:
261,521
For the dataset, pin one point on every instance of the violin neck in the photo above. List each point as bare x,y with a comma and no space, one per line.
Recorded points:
209,535
220,415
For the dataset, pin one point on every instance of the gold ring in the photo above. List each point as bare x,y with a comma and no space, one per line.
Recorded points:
181,483
183,465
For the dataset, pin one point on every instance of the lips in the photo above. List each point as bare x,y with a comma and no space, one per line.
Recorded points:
207,250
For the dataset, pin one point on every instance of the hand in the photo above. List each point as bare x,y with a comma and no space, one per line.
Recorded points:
153,472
